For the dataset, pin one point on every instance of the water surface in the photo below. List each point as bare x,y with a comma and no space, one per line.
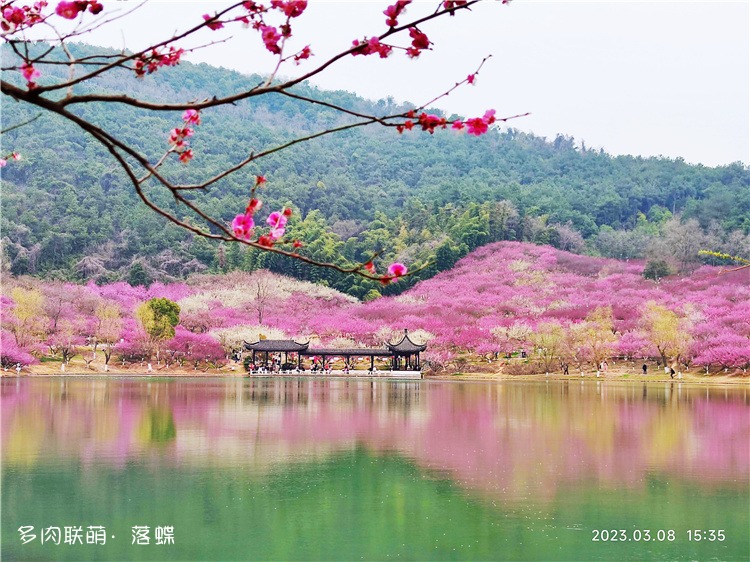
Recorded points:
310,469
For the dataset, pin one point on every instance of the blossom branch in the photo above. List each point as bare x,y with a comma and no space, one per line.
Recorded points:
138,166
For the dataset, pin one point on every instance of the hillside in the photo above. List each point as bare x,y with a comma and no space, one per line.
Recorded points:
69,212
501,299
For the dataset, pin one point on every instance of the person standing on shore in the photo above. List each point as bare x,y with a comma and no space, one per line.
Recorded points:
645,368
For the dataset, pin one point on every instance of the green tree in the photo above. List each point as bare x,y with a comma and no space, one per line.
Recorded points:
158,318
137,275
448,253
656,269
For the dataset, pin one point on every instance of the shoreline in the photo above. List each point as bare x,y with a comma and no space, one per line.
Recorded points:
688,378
662,379
481,372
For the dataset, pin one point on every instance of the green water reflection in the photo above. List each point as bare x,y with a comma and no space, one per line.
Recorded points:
300,469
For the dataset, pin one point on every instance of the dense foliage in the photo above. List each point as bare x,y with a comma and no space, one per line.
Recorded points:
505,298
69,212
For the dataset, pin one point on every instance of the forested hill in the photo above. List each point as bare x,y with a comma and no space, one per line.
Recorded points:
69,211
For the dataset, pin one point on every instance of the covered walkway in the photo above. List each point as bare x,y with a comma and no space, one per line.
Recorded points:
404,354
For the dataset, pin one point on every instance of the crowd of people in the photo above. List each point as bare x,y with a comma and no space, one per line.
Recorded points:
276,366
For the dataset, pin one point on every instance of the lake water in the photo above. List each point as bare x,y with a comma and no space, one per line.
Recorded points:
310,469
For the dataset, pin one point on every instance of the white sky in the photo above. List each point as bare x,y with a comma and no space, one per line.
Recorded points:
638,77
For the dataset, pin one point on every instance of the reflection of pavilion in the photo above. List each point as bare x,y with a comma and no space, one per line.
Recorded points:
404,354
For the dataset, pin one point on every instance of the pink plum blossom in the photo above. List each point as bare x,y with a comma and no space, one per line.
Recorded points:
243,226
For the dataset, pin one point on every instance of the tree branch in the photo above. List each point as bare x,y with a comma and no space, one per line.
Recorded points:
18,125
139,169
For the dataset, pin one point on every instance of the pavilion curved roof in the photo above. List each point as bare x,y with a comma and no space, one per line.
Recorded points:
405,345
351,351
277,345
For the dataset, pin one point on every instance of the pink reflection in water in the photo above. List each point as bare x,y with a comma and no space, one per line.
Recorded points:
514,440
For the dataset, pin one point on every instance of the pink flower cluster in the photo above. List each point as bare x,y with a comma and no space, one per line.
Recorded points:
14,18
394,11
419,42
477,125
70,10
244,224
371,46
429,122
150,63
271,38
271,35
305,53
277,221
30,74
13,155
212,22
453,4
179,135
291,9
395,271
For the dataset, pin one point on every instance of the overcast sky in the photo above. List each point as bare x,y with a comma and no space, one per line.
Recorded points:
646,78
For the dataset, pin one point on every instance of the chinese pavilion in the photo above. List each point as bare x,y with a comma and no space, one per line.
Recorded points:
404,354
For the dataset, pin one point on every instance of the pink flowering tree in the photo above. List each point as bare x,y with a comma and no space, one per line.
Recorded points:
30,79
633,344
134,345
67,339
725,350
199,349
512,337
438,359
11,354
